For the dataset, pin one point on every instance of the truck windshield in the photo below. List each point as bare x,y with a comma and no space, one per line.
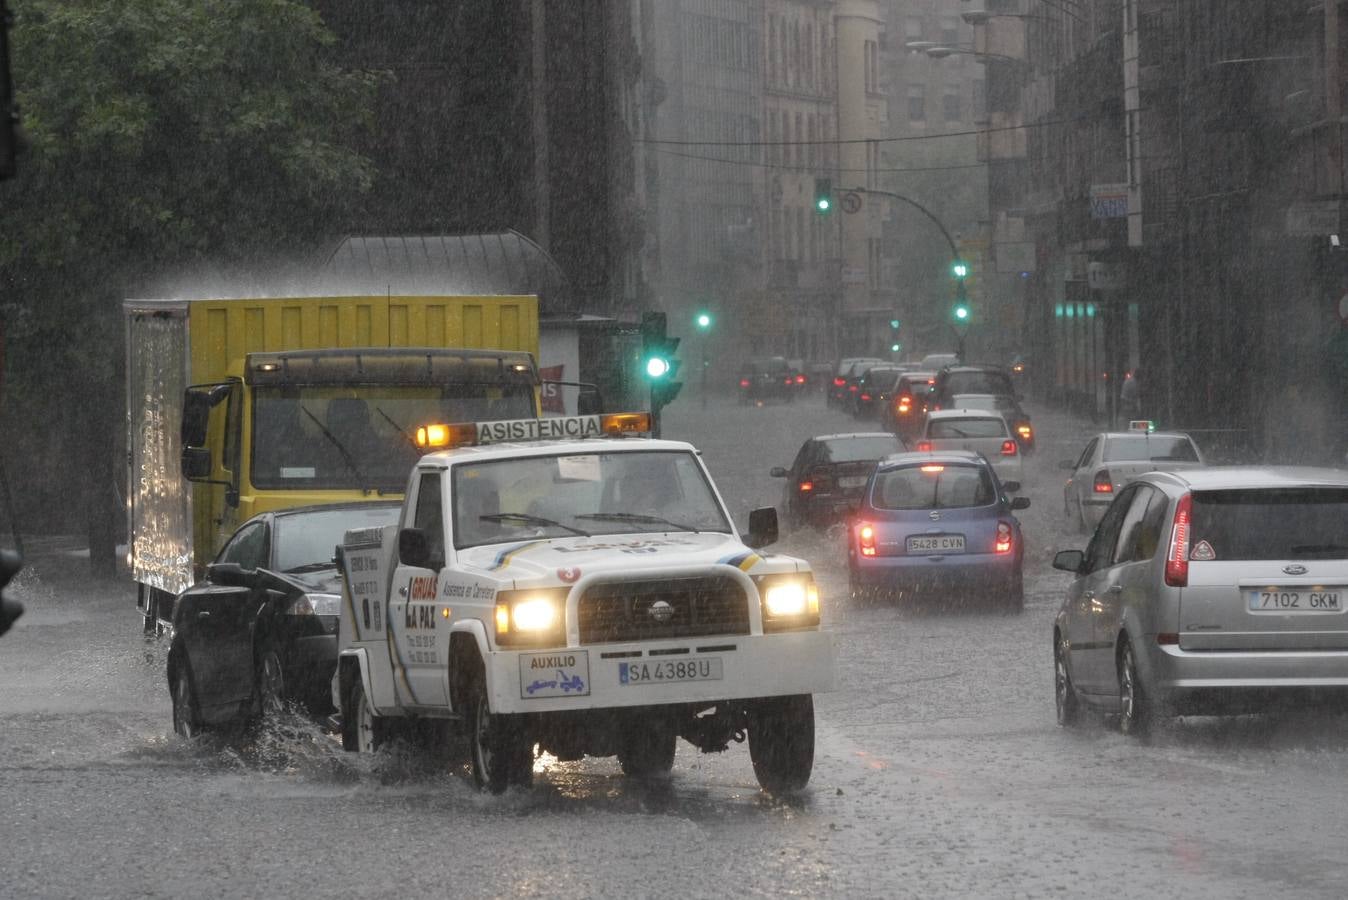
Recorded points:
362,437
599,493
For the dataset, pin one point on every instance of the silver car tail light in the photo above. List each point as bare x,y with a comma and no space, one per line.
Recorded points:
1177,557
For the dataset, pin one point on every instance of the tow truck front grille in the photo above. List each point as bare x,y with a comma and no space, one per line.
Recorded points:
667,608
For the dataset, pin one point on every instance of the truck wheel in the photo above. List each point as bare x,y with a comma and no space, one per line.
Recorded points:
186,716
502,752
362,730
647,750
781,742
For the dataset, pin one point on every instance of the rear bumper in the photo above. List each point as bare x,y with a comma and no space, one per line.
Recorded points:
973,569
773,665
1193,681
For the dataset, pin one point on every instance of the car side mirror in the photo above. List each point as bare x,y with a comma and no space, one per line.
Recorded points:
230,574
1068,464
414,549
762,527
1011,486
777,472
1020,502
1069,560
196,463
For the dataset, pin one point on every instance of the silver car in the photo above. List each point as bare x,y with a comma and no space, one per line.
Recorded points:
1208,591
1114,458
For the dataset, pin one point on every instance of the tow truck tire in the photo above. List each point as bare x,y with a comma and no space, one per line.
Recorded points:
186,716
781,742
362,730
647,750
502,752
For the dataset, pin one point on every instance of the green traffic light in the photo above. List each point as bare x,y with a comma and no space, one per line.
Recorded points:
823,204
959,269
893,323
961,312
895,348
703,320
657,367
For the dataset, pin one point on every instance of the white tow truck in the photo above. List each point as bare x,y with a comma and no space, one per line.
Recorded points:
567,585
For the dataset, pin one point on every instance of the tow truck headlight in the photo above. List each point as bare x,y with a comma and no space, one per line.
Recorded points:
789,602
536,618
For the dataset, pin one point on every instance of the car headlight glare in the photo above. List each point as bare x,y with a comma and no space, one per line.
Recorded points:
534,614
789,602
785,599
534,617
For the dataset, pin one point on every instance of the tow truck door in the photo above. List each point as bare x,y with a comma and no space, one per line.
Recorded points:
420,632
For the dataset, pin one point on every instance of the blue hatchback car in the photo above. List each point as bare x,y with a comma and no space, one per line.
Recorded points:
938,521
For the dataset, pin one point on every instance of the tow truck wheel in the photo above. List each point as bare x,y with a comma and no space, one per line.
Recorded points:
647,750
186,718
502,752
362,730
781,742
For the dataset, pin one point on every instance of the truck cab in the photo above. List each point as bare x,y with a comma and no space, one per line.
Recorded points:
565,584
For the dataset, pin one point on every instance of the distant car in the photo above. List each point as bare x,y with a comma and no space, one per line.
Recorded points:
930,521
907,408
837,392
829,473
800,376
873,390
937,361
1208,591
976,430
1010,409
766,378
976,379
261,628
1114,458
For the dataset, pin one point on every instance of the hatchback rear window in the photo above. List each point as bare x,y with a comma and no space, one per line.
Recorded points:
980,427
857,449
1149,448
932,487
1284,523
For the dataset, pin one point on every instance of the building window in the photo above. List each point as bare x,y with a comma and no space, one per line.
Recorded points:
950,105
912,28
949,31
917,103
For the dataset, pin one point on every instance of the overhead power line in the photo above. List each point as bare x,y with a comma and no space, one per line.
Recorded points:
845,141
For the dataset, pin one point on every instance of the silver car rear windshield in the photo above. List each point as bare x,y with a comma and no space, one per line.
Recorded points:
933,486
1148,448
981,427
1296,523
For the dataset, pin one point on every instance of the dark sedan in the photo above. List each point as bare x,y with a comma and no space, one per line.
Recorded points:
260,630
768,378
829,474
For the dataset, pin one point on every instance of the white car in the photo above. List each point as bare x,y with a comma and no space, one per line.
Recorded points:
980,431
1114,458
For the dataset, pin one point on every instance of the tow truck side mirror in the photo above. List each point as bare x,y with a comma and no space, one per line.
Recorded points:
762,527
196,463
413,548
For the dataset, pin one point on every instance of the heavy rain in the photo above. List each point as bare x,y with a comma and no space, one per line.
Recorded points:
878,448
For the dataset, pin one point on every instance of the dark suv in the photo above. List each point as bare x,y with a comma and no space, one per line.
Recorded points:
974,379
767,378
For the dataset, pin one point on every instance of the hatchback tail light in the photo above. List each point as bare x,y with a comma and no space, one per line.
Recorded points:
866,539
1103,483
1008,448
905,404
800,379
839,382
806,486
1004,537
744,382
924,446
866,397
1177,557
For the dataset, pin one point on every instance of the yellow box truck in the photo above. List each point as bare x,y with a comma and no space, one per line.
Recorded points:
240,406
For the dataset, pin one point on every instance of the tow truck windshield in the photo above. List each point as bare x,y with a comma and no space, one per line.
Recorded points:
362,437
594,494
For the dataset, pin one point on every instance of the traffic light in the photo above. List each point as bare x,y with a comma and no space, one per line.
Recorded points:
658,362
959,269
961,311
823,195
894,345
702,320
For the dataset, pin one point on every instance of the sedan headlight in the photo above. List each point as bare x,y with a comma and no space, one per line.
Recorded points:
316,605
789,602
533,617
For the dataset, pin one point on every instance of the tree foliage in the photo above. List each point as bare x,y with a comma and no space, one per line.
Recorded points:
163,134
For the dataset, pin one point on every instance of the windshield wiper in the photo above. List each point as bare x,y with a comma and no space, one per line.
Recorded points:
634,517
346,454
1318,548
411,442
526,519
310,567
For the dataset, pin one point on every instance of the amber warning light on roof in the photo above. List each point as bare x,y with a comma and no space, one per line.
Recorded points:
438,436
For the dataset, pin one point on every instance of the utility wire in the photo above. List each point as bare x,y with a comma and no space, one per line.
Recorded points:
841,141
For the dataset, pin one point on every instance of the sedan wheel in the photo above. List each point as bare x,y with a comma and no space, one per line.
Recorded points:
271,683
1135,713
1065,694
186,719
